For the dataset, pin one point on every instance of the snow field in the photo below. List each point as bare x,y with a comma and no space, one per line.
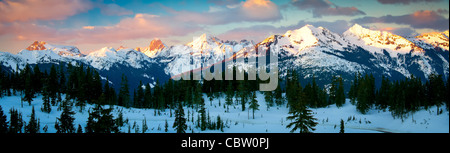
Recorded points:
267,120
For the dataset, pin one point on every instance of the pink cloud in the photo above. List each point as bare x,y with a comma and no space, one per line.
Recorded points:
26,10
250,10
139,26
261,10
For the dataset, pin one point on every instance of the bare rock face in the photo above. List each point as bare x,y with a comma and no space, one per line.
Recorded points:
156,44
37,45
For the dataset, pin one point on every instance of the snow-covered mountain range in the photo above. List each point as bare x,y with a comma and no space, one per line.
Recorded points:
313,51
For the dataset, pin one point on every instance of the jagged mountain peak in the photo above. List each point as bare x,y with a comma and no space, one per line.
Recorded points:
204,42
433,40
155,46
121,47
378,41
58,49
37,45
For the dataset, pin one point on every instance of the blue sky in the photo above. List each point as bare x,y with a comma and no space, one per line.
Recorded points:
93,24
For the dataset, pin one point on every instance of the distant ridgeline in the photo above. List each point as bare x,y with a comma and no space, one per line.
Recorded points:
314,52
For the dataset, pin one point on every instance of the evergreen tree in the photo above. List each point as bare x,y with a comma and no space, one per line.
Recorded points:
353,92
64,123
79,129
342,127
147,96
139,98
383,93
303,120
166,126
340,94
366,94
62,79
101,121
447,99
180,122
124,93
28,92
96,86
293,87
36,79
33,124
268,97
53,85
333,90
278,95
435,90
144,125
203,122
16,122
229,96
3,121
219,124
302,117
254,104
242,94
198,96
46,98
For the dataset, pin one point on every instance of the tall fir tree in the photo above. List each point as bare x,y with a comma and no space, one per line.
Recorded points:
268,97
342,128
302,117
340,94
65,123
180,122
3,122
36,79
101,121
124,93
254,104
242,94
447,99
46,107
33,125
53,85
15,121
333,90
29,91
229,96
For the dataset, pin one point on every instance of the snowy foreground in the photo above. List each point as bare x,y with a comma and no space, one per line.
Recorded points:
272,120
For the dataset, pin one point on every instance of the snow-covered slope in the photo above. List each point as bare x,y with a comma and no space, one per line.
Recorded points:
377,41
58,49
201,52
310,37
433,40
267,120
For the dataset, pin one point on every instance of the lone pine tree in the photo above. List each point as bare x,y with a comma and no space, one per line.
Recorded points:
302,117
